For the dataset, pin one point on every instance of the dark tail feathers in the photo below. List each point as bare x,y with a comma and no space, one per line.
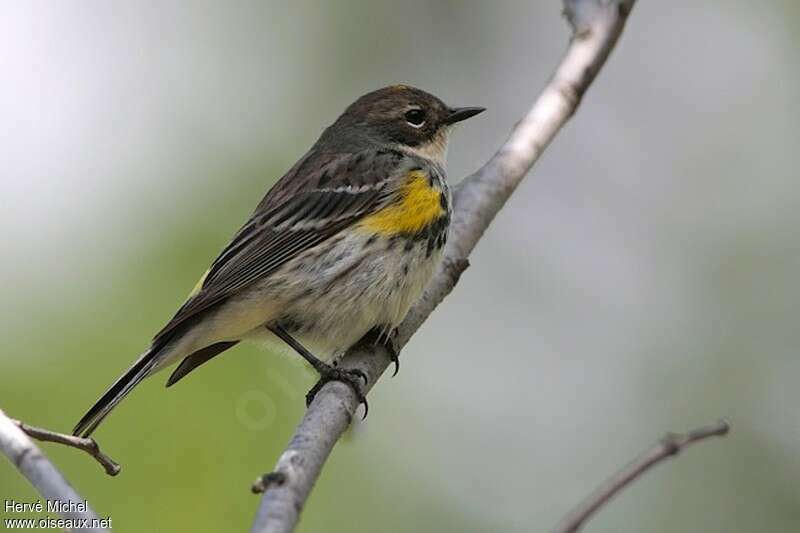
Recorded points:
136,373
198,358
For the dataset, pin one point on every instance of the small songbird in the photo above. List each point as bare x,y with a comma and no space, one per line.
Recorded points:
336,252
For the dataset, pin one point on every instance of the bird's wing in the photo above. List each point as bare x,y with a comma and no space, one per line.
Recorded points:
318,198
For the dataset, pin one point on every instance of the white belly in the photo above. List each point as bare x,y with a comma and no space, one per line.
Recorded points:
334,298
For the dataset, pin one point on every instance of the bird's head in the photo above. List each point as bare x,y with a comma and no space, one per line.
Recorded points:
400,116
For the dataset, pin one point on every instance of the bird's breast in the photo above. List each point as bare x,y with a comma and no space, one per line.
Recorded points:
422,202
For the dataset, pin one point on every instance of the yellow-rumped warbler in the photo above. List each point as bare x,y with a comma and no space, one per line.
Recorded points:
338,249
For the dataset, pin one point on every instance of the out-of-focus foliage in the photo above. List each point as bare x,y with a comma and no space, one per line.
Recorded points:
643,279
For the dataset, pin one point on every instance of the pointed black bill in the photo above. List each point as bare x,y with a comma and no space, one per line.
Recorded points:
457,114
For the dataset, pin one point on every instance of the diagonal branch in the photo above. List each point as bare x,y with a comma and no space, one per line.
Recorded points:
45,478
596,26
669,446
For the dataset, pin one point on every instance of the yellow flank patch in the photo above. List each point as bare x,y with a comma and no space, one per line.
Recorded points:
199,284
419,206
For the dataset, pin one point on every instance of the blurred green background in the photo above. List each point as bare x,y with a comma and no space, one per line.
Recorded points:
643,278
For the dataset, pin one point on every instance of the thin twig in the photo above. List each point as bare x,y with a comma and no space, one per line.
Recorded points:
669,446
45,478
596,26
87,445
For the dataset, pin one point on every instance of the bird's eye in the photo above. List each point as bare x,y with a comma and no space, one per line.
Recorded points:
415,118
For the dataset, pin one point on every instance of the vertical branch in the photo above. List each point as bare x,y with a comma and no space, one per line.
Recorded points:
596,27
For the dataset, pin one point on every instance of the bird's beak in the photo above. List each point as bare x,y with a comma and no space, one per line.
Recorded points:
457,114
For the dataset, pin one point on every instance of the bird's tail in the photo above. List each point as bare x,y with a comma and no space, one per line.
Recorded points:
136,373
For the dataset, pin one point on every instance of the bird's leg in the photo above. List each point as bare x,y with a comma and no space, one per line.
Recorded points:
326,372
386,337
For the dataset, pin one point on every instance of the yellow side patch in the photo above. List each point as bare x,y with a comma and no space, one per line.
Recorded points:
419,206
199,284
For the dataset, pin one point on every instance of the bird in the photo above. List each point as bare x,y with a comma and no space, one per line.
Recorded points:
336,252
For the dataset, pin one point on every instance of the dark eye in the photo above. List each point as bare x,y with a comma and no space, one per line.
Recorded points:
415,117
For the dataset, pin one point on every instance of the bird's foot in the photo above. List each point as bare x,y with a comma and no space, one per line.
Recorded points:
326,372
351,377
379,336
390,342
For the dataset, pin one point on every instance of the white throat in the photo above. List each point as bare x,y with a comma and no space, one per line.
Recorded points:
435,150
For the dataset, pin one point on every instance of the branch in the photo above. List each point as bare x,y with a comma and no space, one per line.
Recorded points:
88,445
44,477
596,26
669,446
